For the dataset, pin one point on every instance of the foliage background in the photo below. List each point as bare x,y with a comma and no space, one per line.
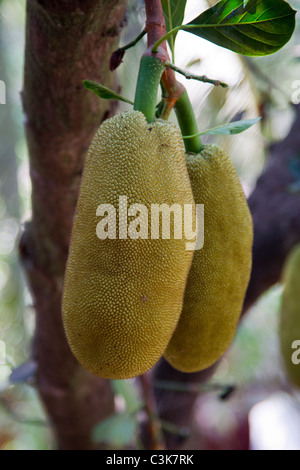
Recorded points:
260,86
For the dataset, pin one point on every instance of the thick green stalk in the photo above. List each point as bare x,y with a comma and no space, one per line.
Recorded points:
148,81
188,124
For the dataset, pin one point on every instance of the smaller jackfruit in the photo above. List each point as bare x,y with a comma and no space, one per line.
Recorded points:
220,271
123,296
289,333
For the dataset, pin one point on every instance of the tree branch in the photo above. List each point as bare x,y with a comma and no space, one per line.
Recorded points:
156,28
66,42
275,209
155,22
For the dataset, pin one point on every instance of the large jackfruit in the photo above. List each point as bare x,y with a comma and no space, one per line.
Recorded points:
220,271
290,316
123,297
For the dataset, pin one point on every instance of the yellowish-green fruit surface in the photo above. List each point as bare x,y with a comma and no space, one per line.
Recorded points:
220,271
290,314
123,297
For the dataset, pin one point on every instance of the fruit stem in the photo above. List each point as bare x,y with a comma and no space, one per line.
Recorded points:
188,124
151,69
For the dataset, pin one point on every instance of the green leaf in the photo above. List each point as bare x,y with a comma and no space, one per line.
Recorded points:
228,129
104,92
127,390
248,27
117,430
174,14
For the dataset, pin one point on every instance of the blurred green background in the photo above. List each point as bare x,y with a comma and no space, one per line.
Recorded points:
253,364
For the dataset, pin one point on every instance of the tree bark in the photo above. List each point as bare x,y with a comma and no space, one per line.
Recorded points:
66,42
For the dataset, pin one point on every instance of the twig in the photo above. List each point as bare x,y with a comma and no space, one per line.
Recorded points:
117,56
182,431
154,425
192,76
224,389
134,41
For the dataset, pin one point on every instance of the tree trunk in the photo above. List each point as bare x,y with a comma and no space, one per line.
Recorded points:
66,42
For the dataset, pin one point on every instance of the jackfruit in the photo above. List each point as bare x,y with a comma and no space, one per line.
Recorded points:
220,271
123,296
289,332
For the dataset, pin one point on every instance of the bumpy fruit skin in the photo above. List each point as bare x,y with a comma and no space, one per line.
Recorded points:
123,297
290,314
220,271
